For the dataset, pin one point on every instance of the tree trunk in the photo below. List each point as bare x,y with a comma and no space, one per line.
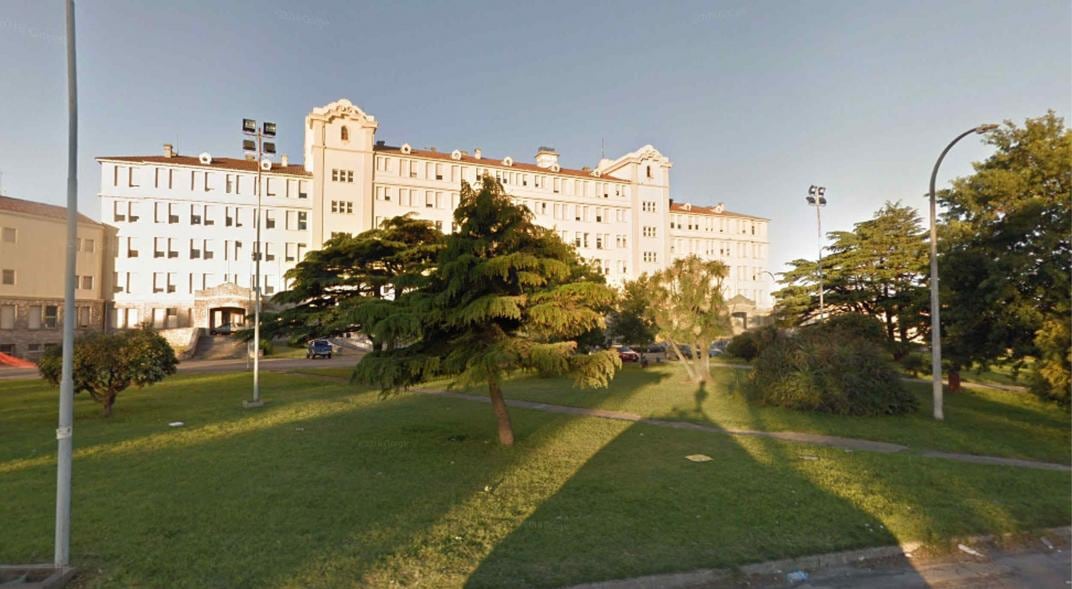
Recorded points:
954,380
498,405
686,362
108,402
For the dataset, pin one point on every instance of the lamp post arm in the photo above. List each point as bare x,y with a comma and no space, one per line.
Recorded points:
936,323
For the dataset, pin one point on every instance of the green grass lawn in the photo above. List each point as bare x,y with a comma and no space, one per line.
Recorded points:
329,486
977,421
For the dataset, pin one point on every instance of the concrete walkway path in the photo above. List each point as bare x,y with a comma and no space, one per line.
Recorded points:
786,436
1036,560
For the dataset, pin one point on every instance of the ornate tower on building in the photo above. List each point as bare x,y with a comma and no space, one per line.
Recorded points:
339,140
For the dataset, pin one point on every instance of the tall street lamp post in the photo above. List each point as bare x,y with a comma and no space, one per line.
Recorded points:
936,327
260,147
817,198
64,431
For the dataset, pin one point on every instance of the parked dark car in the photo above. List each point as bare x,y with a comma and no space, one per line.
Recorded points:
626,354
686,350
223,329
319,348
657,349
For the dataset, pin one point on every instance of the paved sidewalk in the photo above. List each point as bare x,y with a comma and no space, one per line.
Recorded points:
787,436
1040,560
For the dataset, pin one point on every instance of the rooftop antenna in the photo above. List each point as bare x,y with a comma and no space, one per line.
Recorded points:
602,147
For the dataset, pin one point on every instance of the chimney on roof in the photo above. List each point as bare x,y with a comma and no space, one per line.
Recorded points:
546,157
477,154
284,160
169,150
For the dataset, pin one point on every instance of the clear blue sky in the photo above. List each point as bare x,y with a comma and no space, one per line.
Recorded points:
753,101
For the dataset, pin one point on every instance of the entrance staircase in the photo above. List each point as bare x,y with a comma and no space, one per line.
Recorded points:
219,347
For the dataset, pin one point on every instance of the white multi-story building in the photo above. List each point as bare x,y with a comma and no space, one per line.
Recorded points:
186,224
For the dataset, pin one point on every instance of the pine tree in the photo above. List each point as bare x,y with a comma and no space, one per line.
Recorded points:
505,296
351,282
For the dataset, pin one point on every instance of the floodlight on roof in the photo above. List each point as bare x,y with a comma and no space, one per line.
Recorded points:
249,126
269,129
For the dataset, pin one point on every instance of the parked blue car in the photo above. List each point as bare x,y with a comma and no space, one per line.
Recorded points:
319,348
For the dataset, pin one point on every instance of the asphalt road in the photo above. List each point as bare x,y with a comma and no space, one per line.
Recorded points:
198,366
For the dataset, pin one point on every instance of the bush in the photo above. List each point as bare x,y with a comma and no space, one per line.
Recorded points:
816,370
750,344
105,364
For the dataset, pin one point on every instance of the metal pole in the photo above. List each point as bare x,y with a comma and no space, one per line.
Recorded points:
257,287
66,417
819,241
936,325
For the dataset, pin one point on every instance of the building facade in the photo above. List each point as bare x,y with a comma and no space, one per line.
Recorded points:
186,224
32,261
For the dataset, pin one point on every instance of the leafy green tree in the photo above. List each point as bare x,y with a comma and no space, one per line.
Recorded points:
504,296
350,283
686,304
630,320
106,364
878,269
1006,255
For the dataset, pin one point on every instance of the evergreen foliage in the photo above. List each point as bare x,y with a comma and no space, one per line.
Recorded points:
504,296
878,269
1006,256
349,284
817,369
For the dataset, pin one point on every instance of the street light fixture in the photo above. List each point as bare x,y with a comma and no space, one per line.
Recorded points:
936,328
249,127
817,198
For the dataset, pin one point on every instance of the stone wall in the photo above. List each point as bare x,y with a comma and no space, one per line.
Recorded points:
30,343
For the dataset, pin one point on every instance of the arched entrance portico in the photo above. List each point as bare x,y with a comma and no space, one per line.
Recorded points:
219,305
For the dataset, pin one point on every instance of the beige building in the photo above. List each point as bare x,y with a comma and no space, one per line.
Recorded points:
187,224
32,263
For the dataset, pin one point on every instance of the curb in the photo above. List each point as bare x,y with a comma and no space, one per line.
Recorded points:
705,577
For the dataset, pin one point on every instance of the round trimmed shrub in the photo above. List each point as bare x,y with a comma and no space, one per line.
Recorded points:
830,372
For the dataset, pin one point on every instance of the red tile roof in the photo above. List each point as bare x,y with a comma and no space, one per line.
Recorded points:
679,207
495,163
219,163
39,209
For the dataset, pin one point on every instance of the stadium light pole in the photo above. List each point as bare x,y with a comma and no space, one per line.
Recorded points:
936,327
817,198
65,428
259,146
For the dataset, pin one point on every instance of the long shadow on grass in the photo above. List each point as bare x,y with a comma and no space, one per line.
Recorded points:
640,507
919,498
339,499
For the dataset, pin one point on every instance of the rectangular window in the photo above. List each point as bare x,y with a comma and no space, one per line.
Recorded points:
7,317
9,234
34,320
52,317
88,246
87,283
301,220
269,219
195,249
7,277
